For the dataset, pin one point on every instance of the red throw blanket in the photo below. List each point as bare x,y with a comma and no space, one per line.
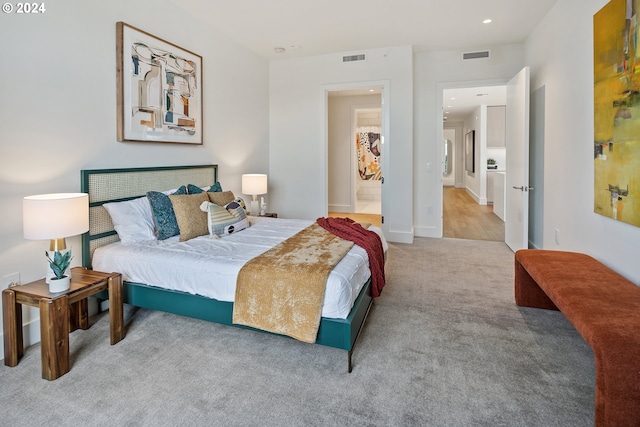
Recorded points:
348,229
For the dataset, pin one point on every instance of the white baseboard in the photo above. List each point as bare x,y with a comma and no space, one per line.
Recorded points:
399,236
427,232
473,195
30,334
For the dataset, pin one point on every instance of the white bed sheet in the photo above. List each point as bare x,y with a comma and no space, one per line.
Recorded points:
209,267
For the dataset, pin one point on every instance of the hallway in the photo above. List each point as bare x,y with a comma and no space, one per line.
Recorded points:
464,218
373,219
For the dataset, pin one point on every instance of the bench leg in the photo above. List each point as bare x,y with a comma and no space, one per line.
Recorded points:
617,391
527,291
54,337
12,328
116,313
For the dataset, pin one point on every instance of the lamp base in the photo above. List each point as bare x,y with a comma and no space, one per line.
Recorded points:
254,209
58,245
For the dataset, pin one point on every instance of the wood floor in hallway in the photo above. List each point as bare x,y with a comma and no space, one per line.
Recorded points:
464,218
370,218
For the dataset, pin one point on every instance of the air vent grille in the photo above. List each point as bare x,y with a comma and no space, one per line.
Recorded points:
483,54
353,58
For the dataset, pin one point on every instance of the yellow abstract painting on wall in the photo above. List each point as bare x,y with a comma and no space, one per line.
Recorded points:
617,111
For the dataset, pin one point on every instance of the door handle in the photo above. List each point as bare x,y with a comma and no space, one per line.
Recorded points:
518,188
523,188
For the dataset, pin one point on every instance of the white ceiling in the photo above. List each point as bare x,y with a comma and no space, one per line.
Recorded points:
312,27
459,103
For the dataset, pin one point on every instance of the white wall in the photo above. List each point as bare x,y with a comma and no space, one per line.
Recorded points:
560,53
298,159
58,109
341,152
434,71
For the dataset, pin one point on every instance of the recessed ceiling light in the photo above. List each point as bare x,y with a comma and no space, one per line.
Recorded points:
453,99
372,90
449,106
487,21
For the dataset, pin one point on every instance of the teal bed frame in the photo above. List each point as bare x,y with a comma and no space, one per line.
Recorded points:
111,185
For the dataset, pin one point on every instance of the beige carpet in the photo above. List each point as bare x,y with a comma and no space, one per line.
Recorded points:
444,345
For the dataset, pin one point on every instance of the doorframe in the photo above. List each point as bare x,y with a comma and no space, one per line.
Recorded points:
440,128
333,87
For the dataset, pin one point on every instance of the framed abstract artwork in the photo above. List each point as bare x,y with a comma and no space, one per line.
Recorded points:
159,93
470,151
616,55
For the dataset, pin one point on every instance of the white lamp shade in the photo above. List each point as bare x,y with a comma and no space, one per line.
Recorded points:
55,216
254,184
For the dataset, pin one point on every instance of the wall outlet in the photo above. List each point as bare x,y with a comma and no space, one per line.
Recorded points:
557,236
9,280
429,209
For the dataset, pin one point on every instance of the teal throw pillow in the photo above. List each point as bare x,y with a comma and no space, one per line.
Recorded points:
163,213
194,189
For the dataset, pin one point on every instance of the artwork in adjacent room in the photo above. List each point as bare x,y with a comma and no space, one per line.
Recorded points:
159,91
368,150
617,111
470,151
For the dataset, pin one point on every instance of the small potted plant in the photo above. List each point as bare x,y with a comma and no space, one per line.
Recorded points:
59,264
492,164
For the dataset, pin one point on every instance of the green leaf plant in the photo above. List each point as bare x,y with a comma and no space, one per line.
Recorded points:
59,263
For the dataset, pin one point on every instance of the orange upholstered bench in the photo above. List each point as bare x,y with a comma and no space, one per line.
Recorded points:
605,309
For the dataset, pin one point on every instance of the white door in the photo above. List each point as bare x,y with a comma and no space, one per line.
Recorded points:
516,227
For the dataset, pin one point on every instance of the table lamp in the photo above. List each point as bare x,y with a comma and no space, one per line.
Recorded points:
254,184
54,217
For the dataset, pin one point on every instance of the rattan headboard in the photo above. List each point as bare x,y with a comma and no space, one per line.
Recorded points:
117,185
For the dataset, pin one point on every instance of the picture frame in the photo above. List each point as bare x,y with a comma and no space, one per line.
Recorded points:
159,89
470,151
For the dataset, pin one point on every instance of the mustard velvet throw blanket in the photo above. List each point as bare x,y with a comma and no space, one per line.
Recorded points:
282,290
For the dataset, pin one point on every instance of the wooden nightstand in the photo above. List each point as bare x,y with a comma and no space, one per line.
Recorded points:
60,314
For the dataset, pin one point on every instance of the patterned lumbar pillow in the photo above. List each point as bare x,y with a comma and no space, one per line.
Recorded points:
223,221
234,205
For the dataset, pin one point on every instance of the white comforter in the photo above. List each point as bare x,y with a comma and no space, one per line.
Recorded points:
209,267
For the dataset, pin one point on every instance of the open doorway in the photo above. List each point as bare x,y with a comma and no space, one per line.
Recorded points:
369,162
474,162
355,153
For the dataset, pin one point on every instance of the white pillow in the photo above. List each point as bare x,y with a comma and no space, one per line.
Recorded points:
132,220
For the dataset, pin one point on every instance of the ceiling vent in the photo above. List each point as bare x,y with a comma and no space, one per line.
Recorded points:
483,54
354,58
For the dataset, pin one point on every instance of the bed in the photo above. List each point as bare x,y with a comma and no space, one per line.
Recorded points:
340,325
